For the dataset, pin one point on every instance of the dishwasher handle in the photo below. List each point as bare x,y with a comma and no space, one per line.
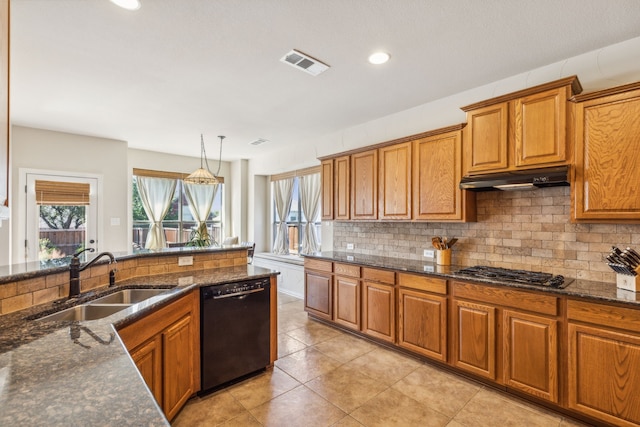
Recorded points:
239,295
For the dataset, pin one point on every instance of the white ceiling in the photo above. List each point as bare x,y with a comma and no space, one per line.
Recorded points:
160,76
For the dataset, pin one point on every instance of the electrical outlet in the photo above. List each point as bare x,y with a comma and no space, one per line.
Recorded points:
429,253
349,246
185,260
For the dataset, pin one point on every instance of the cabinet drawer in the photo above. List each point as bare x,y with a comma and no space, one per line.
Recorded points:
316,264
507,297
346,270
606,315
424,283
380,276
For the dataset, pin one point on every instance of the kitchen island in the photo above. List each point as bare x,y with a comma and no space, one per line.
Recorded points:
80,373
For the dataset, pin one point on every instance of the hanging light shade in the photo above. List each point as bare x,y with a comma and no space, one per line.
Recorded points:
201,175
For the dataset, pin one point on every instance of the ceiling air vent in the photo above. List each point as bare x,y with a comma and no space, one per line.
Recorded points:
304,62
259,141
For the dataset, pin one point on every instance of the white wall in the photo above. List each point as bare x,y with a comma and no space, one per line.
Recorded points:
239,190
58,151
607,67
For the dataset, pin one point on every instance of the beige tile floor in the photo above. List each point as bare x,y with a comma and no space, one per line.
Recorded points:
325,377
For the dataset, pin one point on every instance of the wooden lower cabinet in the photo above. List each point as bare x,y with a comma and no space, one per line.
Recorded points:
318,294
530,360
165,347
378,311
177,369
318,288
148,359
346,301
604,380
475,338
422,323
604,357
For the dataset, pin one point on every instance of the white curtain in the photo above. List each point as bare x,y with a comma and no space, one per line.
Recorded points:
156,195
310,201
200,198
283,191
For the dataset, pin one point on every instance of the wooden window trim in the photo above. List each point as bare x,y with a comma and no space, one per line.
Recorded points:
164,174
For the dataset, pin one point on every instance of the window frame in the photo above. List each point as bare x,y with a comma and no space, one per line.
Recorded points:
183,227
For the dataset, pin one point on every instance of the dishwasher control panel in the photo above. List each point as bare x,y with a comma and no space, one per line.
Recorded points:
233,289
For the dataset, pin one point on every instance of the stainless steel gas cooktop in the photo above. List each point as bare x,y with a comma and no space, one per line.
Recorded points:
505,275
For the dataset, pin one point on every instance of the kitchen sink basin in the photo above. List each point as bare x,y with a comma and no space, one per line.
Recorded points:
85,312
128,296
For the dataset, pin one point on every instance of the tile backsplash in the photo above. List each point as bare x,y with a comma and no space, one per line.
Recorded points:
515,229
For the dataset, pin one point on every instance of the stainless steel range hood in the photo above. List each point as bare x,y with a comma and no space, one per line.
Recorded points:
517,180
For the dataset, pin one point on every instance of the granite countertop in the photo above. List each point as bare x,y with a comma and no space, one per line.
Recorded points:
28,270
600,291
80,373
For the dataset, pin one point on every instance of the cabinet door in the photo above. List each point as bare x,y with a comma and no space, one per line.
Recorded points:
327,189
487,146
607,178
394,186
541,128
178,349
531,354
604,380
148,359
342,187
378,311
364,185
347,302
437,170
475,338
318,294
423,323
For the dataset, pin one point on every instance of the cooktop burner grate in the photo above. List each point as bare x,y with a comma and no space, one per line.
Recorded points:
506,275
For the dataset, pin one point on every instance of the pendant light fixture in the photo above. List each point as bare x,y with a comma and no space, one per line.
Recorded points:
201,175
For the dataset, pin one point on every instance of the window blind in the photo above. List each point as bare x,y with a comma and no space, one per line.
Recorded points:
62,193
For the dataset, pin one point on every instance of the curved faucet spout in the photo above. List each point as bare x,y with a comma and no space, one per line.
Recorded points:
112,259
75,268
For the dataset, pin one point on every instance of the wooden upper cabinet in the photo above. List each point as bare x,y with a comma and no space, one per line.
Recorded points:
364,185
487,148
607,176
342,187
394,185
524,129
327,189
540,128
437,170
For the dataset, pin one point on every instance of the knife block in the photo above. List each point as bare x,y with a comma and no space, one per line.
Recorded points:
627,282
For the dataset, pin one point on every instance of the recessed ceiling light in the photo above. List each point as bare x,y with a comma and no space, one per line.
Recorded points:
379,58
127,4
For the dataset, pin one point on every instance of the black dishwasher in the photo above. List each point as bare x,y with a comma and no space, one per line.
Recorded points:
234,331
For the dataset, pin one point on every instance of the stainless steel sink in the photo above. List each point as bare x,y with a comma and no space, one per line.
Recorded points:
128,296
85,312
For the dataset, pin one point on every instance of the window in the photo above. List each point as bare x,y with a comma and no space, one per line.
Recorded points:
178,224
295,221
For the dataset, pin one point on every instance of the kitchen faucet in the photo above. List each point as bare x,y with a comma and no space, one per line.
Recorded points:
75,268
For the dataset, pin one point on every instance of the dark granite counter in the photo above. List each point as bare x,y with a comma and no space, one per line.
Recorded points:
577,288
79,373
29,270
